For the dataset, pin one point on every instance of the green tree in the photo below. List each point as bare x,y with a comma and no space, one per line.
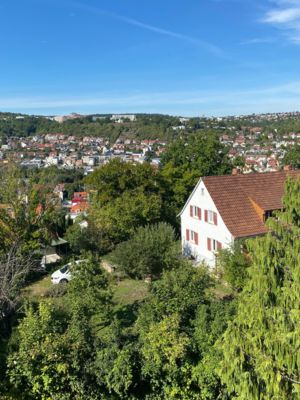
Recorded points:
187,159
30,213
54,350
234,263
239,161
178,326
292,157
124,197
78,238
117,178
118,220
261,346
151,250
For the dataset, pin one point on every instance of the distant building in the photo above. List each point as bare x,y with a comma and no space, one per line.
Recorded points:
80,204
63,118
120,117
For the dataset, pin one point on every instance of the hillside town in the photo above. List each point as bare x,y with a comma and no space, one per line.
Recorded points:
257,148
149,200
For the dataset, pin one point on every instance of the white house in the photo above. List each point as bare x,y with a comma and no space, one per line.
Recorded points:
222,209
203,230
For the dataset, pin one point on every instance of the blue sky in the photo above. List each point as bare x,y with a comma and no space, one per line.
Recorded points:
192,57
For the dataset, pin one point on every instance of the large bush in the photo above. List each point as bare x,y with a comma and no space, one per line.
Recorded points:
151,250
234,263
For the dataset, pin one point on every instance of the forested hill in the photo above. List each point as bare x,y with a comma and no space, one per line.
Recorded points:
146,126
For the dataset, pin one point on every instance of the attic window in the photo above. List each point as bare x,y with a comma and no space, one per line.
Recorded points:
268,214
202,191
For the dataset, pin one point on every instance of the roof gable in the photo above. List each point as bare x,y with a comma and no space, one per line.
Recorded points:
190,196
238,198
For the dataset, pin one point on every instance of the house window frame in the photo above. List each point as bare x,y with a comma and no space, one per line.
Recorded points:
215,246
195,212
210,217
193,236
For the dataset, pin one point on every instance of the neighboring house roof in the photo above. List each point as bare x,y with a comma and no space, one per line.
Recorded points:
242,199
80,194
50,259
78,208
39,209
58,242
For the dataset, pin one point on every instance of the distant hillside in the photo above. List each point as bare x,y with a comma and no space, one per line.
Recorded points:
145,126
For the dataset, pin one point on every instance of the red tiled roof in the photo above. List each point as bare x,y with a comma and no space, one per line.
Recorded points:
234,195
77,208
80,194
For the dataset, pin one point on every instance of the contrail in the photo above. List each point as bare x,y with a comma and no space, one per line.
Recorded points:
215,50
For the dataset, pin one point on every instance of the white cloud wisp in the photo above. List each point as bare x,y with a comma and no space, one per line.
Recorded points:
285,15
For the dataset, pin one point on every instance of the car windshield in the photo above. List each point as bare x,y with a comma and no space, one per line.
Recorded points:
64,269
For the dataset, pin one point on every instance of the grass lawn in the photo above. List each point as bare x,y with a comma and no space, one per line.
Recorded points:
128,291
38,289
41,290
222,290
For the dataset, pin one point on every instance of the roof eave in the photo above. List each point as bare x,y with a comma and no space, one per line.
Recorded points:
190,196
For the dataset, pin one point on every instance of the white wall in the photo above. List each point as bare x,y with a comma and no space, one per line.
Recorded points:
204,229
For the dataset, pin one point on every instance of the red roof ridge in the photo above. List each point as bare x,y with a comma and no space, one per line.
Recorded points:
242,200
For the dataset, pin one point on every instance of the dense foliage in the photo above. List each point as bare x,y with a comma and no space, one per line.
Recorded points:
145,127
190,336
85,350
52,354
186,159
261,345
233,264
151,250
292,157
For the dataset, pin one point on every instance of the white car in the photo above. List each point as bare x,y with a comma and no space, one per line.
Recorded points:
63,275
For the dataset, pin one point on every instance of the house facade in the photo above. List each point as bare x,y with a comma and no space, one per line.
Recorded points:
222,209
203,230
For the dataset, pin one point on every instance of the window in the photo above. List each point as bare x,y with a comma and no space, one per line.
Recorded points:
64,269
268,214
202,191
195,212
192,236
211,217
213,245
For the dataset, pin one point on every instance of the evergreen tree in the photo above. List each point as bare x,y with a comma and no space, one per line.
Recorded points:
261,347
